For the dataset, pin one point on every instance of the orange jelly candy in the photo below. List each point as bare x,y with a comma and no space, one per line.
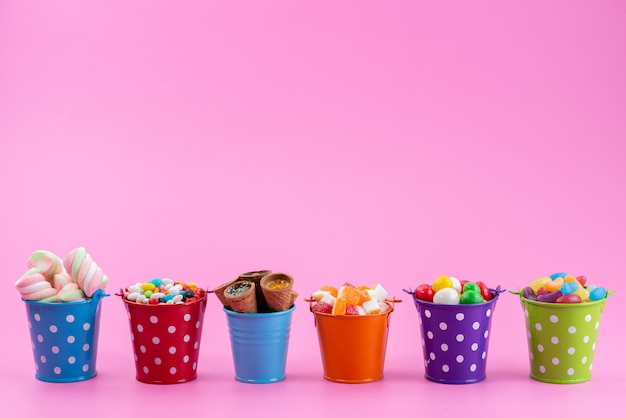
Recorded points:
554,284
331,289
339,308
352,295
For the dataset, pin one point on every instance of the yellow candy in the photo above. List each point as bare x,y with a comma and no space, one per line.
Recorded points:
192,285
554,285
148,286
582,293
539,283
441,282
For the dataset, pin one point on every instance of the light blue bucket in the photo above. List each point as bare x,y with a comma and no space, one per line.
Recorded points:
64,338
259,344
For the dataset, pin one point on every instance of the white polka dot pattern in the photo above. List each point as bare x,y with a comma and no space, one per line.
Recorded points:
167,340
455,340
62,339
562,340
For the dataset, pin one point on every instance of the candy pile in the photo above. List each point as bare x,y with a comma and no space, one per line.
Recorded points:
163,291
350,300
50,279
563,288
448,290
258,292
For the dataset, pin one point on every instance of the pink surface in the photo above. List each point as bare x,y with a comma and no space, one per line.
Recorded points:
359,141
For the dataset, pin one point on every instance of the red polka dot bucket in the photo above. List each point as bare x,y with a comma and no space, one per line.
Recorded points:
166,340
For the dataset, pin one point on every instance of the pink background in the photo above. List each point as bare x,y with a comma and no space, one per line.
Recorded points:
360,141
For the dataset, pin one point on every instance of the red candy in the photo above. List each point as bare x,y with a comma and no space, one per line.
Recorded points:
424,292
323,307
571,298
351,310
484,291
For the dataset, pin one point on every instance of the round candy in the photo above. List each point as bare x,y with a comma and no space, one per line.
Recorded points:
447,296
456,284
424,292
471,296
471,286
442,282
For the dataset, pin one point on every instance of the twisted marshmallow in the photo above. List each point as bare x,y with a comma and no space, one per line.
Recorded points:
85,271
34,286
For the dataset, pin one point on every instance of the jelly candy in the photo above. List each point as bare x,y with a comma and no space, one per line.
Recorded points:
323,307
597,293
549,297
569,298
529,293
340,306
555,284
557,275
569,287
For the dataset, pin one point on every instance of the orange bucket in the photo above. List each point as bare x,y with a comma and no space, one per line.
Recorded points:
353,347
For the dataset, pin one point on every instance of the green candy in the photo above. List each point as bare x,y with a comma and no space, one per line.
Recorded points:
471,286
471,296
147,293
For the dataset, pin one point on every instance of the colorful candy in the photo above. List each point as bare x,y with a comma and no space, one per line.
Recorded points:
563,288
163,292
350,300
448,290
51,279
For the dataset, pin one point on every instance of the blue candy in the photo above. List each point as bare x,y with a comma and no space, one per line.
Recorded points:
157,282
597,293
568,288
555,276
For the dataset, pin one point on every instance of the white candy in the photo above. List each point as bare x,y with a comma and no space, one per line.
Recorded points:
446,296
133,296
371,307
135,289
167,281
177,298
170,302
380,292
168,286
141,298
329,299
360,310
384,306
157,295
174,290
456,284
320,294
145,301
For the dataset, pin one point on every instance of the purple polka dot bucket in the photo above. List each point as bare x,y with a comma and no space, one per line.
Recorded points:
64,338
455,339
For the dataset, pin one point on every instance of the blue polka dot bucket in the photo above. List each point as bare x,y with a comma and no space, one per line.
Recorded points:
455,339
64,338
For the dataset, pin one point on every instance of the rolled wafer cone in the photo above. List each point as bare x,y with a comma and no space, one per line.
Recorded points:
219,292
280,298
255,277
241,297
294,295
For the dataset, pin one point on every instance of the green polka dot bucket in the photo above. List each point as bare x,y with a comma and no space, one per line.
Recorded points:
562,339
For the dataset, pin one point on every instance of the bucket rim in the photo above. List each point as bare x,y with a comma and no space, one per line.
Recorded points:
72,303
259,314
564,305
495,292
351,317
162,305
